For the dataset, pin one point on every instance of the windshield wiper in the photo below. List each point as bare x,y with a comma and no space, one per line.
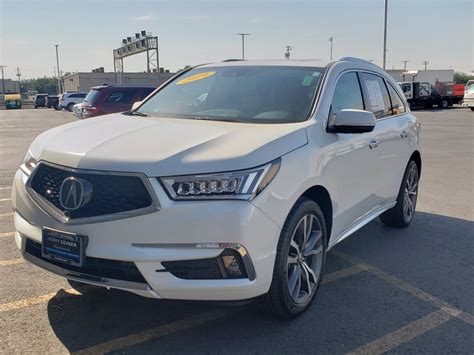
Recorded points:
136,113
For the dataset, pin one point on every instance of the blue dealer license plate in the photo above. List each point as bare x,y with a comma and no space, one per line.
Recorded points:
63,247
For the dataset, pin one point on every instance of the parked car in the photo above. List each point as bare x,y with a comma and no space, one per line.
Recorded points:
52,101
12,101
468,100
106,99
230,182
69,99
40,100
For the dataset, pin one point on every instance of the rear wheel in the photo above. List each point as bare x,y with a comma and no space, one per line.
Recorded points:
403,212
299,261
472,108
444,103
70,106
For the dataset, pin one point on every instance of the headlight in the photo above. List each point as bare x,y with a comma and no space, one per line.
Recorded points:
242,185
29,163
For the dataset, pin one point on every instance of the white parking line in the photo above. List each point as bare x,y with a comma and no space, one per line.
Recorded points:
6,214
5,188
5,199
11,262
7,234
404,334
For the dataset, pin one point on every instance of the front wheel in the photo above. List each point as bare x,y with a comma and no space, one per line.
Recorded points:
403,212
299,261
70,106
472,108
444,103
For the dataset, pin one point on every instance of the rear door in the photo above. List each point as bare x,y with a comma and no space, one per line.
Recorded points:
392,132
119,100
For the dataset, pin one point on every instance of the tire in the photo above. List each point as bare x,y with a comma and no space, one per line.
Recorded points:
472,108
444,103
70,106
398,215
56,107
291,265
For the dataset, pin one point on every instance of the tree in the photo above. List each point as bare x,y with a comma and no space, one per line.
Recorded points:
45,85
462,78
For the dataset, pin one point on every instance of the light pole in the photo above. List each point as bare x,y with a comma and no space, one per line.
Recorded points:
385,35
57,66
405,64
3,79
425,63
243,43
331,39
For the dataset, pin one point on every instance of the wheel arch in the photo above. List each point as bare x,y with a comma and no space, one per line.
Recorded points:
321,196
416,157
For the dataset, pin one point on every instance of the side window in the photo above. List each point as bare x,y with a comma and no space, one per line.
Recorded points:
121,96
376,93
398,106
347,95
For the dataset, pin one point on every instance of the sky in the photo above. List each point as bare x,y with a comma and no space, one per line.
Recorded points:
195,32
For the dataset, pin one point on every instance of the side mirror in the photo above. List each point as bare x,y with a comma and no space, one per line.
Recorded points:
136,105
352,121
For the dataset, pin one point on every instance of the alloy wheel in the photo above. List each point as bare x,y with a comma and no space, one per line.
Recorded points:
305,259
410,195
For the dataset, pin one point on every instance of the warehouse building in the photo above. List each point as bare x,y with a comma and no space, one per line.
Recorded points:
83,81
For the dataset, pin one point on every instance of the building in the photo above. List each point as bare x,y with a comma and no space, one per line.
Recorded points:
11,87
84,81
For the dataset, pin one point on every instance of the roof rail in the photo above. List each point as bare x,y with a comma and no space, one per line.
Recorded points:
232,60
357,60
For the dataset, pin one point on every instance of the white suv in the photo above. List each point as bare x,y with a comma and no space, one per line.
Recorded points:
69,99
230,182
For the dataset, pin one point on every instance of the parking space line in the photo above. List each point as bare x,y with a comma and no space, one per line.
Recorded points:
7,234
414,291
11,262
5,199
154,333
404,334
5,188
6,214
333,276
26,302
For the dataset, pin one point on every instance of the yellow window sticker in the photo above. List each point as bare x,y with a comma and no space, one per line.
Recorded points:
196,77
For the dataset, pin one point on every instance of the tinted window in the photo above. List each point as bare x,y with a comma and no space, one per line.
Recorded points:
145,93
239,93
378,100
398,106
92,96
121,96
347,95
77,96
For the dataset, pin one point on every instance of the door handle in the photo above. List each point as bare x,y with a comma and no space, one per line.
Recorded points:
404,133
374,143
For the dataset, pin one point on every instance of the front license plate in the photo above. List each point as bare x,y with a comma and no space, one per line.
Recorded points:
64,247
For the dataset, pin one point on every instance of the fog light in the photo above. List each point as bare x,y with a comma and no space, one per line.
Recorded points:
231,263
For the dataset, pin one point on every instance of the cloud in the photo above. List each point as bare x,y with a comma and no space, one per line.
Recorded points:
143,18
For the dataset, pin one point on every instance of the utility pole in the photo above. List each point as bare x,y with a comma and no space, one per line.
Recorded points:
287,53
405,64
18,74
331,39
3,79
425,63
385,35
243,43
57,66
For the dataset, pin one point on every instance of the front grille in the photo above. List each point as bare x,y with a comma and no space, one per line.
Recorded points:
208,269
111,269
110,193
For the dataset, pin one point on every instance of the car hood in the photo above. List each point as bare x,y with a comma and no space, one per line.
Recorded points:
166,146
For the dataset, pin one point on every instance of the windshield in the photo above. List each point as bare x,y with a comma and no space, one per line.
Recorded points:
262,94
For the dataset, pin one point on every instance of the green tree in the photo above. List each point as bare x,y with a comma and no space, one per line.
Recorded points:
45,85
462,78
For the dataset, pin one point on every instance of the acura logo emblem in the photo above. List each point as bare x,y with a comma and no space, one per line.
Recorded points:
74,193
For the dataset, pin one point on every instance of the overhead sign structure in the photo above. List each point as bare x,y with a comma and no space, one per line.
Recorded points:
141,42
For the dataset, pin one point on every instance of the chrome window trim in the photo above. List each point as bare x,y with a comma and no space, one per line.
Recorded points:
57,214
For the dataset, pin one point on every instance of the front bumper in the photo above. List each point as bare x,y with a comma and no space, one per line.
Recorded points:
180,230
468,102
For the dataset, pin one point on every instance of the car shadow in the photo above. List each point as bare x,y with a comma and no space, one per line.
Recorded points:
434,254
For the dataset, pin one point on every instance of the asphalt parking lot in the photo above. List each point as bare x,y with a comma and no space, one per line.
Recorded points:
384,290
